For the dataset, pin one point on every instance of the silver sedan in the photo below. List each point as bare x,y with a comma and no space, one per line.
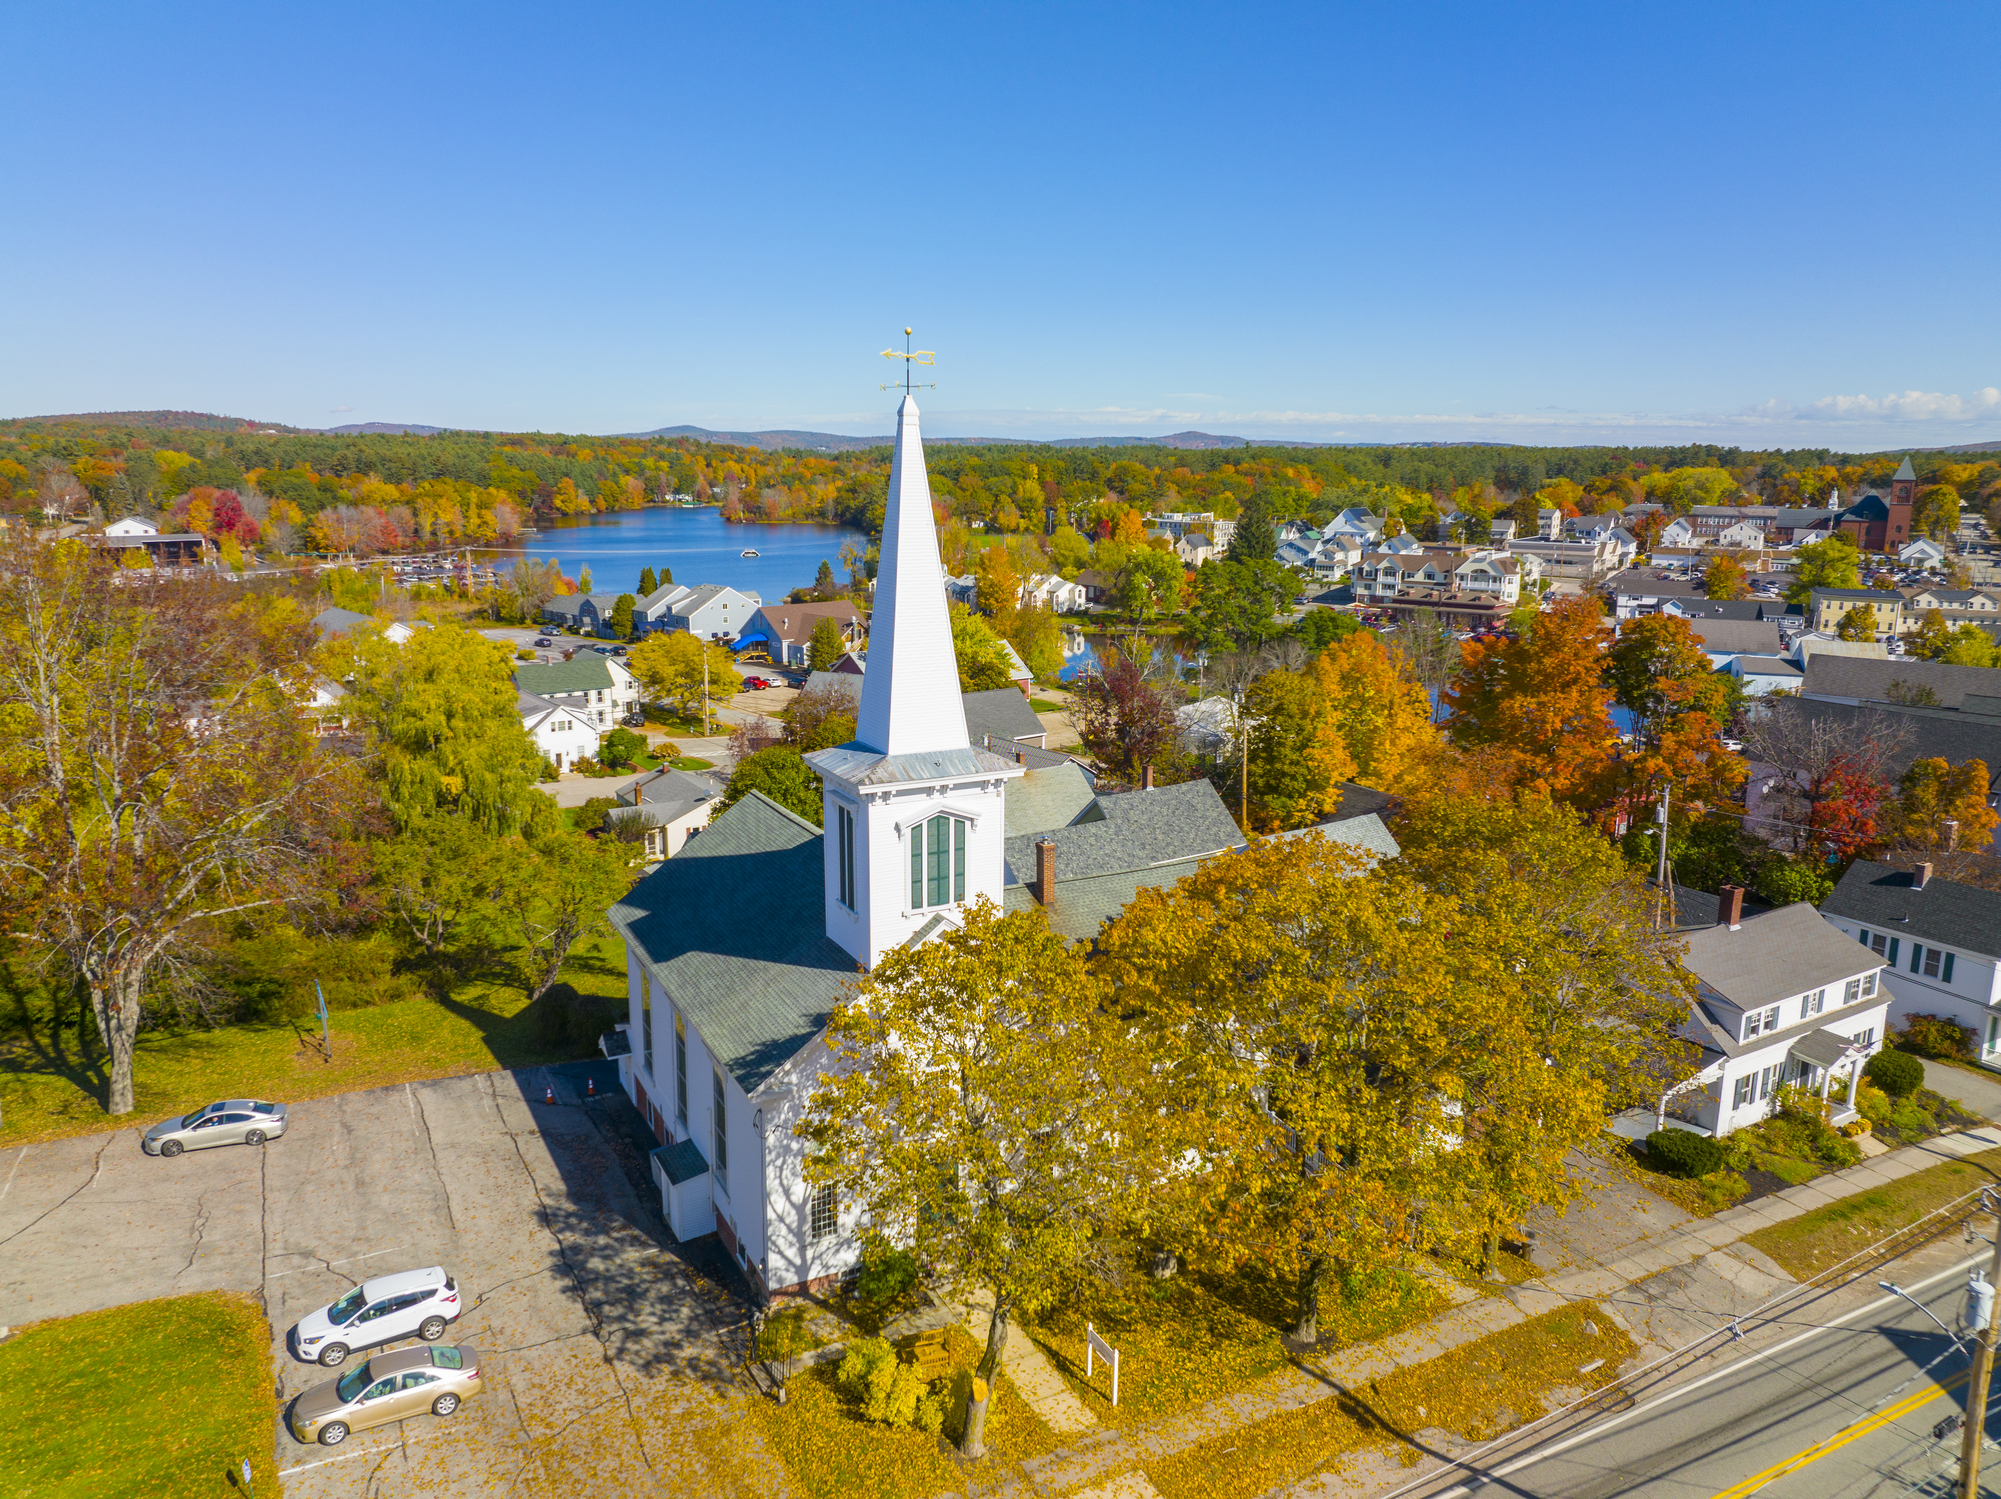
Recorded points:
235,1121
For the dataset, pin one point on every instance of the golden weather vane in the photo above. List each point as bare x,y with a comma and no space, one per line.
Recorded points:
909,356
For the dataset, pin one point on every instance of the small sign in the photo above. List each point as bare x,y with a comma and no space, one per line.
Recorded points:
326,1041
1105,1352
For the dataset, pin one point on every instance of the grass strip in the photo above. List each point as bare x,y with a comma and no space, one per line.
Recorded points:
1474,1393
159,1398
1189,1339
478,1029
1821,1239
833,1453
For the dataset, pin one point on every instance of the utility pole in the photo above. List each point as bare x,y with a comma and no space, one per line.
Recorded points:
1244,795
1661,895
705,689
1983,1369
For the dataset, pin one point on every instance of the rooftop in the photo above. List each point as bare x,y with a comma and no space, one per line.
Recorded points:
1773,957
1946,912
586,671
1859,679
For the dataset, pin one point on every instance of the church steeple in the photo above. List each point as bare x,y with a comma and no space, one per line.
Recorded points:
910,692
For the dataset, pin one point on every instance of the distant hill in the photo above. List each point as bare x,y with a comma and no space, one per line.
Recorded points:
199,421
395,429
1972,447
835,442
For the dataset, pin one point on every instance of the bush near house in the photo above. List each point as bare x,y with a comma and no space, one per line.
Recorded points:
1935,1036
1897,1073
1680,1153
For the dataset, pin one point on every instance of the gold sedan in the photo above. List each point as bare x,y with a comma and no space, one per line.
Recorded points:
389,1387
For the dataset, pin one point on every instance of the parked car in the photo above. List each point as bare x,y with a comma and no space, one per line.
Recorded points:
757,684
544,641
413,1303
236,1121
618,650
634,720
389,1387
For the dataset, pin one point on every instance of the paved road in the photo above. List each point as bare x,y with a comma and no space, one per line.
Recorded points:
1833,1406
595,1340
1978,1091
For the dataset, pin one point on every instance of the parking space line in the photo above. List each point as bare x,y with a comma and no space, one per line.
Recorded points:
368,1452
10,1175
352,1259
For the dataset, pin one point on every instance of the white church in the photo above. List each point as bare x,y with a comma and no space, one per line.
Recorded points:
739,948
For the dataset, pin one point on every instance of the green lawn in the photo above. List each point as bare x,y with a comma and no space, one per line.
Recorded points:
1826,1236
48,1088
1044,705
159,1398
690,762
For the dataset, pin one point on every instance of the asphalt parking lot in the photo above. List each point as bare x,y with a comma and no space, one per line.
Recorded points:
609,1364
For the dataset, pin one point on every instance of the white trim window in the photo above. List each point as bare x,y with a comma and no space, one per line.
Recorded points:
844,856
719,1133
1812,1004
937,861
1754,1087
826,1213
1759,1022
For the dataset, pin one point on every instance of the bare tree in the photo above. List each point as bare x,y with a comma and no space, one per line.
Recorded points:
1428,644
1797,754
162,772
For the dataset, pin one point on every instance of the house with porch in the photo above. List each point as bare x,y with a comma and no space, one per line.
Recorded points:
598,689
740,946
1939,942
1782,999
785,631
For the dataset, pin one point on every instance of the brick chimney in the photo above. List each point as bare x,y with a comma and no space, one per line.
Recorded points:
1730,906
1921,875
1045,871
1020,756
1146,779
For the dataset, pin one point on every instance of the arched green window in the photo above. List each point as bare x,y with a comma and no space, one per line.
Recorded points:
937,862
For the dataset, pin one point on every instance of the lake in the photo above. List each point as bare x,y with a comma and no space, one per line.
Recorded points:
694,541
1081,652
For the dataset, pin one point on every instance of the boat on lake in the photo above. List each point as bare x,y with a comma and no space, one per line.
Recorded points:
748,552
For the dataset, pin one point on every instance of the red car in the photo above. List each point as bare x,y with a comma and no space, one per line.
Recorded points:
756,684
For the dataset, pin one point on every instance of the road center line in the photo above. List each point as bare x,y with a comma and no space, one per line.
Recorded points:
352,1259
1529,1459
10,1175
1851,1433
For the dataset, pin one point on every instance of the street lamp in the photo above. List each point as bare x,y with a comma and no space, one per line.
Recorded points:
1897,1290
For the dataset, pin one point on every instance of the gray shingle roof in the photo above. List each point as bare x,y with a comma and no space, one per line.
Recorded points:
1930,733
1745,609
681,1162
1004,713
327,621
861,766
584,672
1048,797
1759,637
1774,956
1867,680
731,928
1955,915
667,794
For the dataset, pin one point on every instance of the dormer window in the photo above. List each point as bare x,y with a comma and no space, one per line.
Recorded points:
937,862
1761,1022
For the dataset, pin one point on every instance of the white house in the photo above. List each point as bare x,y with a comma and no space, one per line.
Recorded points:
1765,674
1052,591
563,735
598,689
1920,551
1679,532
740,946
674,804
330,622
1782,998
1939,942
132,525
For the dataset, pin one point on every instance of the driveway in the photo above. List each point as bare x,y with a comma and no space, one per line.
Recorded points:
1977,1091
597,1337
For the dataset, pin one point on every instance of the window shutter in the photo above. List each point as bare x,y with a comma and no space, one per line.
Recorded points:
1893,952
1917,955
1946,974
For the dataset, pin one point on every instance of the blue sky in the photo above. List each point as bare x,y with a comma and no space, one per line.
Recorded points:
1761,225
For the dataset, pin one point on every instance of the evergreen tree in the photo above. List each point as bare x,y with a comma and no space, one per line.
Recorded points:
666,577
1255,539
648,582
824,584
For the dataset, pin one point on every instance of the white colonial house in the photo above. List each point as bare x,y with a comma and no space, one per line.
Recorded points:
1492,575
597,689
132,525
1782,998
1054,592
563,735
1921,551
1939,942
739,947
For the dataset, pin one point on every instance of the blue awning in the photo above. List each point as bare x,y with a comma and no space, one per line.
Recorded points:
744,640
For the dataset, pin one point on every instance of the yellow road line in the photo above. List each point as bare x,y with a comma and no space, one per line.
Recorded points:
1843,1437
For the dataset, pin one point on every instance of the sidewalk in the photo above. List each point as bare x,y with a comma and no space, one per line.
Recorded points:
1107,1457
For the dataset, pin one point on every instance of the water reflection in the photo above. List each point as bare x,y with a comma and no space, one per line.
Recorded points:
1083,653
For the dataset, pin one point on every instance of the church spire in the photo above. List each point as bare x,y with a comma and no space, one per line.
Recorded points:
910,691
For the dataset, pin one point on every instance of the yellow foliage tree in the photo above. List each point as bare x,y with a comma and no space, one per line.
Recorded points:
1380,711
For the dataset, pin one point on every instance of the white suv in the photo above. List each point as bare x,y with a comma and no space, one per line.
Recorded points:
416,1303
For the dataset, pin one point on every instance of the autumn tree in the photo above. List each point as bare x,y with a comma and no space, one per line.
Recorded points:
1298,757
1379,710
780,773
1125,719
819,718
1539,702
559,886
1038,637
1936,512
987,1110
1941,806
1148,585
676,666
1725,578
979,653
1833,563
997,587
157,771
1820,782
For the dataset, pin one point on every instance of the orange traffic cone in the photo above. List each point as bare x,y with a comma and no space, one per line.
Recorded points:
549,1095
590,1087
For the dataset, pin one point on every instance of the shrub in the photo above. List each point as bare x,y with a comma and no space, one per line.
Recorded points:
1680,1153
621,747
1897,1073
1935,1036
1872,1103
591,815
887,1274
1908,1118
886,1389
